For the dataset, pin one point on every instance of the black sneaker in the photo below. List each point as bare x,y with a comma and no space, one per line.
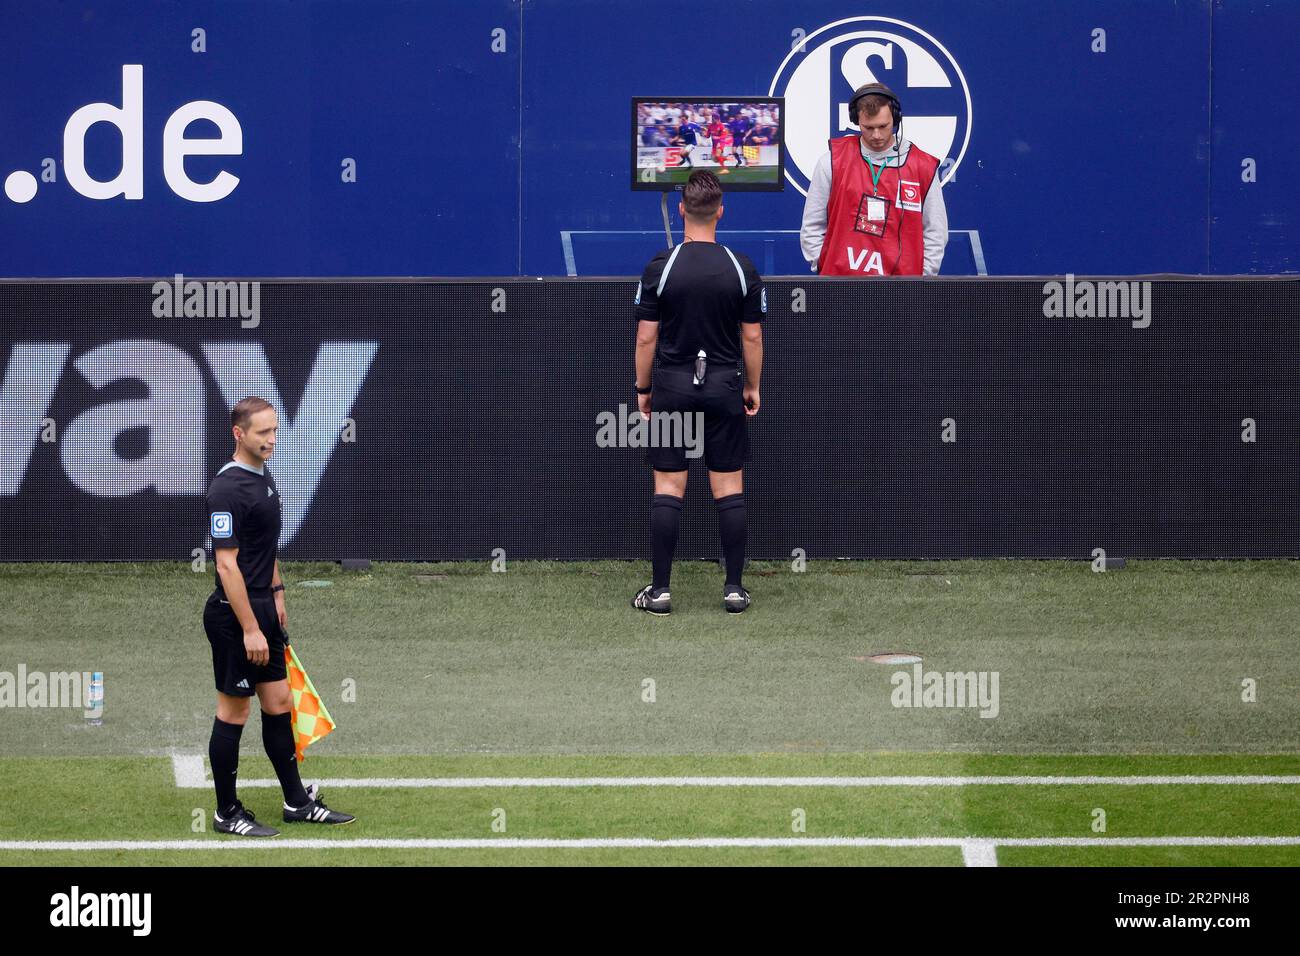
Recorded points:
315,811
241,822
735,598
658,604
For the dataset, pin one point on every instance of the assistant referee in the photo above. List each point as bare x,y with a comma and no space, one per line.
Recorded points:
244,619
699,310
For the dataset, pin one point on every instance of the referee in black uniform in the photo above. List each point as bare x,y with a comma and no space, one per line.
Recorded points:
244,620
699,310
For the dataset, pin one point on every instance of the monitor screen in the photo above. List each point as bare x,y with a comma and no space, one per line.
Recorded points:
738,138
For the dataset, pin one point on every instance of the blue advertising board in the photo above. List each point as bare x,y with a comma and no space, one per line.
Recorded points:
440,138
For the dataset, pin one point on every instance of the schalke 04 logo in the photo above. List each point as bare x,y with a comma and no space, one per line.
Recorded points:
821,72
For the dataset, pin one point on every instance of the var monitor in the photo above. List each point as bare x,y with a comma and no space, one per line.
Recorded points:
738,138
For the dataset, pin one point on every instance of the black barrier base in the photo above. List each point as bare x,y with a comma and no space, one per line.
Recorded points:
451,420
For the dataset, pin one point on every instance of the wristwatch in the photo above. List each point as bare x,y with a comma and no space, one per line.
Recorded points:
639,389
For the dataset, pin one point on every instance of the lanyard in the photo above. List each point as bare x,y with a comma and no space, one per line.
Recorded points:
875,176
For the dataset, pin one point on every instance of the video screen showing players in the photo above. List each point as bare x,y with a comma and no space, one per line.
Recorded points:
739,139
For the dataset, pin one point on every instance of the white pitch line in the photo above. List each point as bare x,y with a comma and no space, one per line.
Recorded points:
972,847
979,853
187,778
189,772
1150,841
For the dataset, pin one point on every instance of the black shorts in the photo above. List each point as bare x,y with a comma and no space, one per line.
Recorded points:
234,673
718,406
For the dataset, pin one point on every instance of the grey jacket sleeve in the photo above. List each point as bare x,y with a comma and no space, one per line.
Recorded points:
934,225
813,229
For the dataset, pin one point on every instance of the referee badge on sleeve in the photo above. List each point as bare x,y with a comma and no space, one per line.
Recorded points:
637,300
763,296
222,524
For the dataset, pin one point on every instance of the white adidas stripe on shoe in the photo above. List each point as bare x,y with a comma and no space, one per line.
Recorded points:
658,606
735,599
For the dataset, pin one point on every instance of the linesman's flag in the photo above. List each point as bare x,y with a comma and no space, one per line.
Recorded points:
311,721
751,154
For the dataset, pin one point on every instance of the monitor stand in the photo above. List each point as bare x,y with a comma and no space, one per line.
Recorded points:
663,206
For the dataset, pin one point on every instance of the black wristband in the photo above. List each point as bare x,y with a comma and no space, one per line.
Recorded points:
640,390
278,587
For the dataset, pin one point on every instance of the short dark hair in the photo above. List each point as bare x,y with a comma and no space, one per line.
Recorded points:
702,195
245,409
871,103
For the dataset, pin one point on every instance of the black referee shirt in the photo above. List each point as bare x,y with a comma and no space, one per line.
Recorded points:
699,293
244,513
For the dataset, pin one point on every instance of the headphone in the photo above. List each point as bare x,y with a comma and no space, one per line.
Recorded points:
876,89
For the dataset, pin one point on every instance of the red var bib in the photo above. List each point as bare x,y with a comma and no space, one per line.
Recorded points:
864,222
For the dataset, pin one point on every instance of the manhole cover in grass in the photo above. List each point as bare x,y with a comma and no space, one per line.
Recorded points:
892,657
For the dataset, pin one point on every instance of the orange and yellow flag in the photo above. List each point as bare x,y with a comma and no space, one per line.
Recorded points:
311,721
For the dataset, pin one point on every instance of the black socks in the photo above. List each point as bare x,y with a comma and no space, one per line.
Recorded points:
665,512
665,515
733,531
223,755
277,738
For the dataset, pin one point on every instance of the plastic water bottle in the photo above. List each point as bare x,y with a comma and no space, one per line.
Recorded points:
701,367
95,710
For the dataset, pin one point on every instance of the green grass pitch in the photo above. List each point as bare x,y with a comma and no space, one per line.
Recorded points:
734,174
509,684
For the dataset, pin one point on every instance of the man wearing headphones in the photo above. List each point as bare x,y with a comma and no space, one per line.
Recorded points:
875,206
